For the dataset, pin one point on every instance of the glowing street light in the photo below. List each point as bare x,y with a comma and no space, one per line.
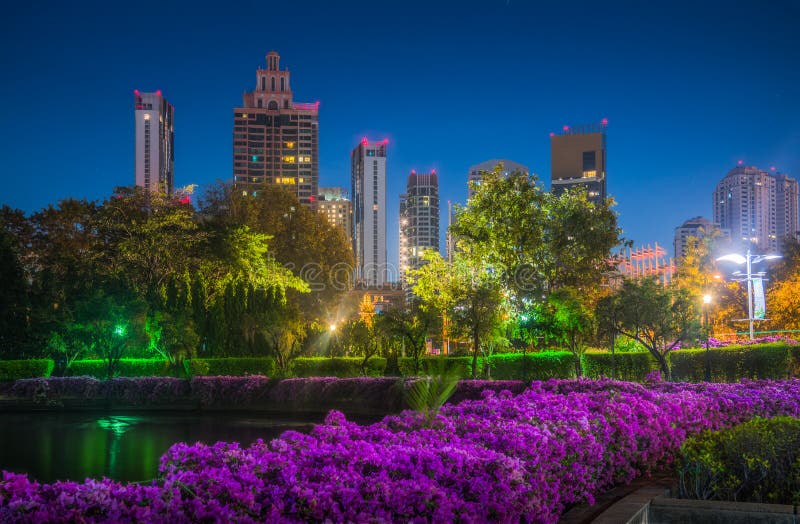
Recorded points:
332,327
749,259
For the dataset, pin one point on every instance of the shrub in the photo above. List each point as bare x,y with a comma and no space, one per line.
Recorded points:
234,367
229,391
17,369
731,363
342,367
758,461
532,366
502,458
127,367
794,361
460,367
633,366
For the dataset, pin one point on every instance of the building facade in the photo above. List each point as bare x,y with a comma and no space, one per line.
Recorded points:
276,140
419,220
368,183
334,204
154,137
698,227
578,158
759,208
476,172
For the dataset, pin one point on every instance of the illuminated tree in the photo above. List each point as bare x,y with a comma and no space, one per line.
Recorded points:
534,240
572,322
413,323
657,317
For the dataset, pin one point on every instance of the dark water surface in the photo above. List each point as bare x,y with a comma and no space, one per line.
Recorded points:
53,446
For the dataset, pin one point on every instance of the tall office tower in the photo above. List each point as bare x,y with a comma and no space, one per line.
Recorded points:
368,182
475,172
578,158
155,142
758,208
698,227
276,140
419,219
333,202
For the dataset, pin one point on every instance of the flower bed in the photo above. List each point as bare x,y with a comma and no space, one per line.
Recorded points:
502,458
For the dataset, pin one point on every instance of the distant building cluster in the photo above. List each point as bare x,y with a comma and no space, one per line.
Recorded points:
276,143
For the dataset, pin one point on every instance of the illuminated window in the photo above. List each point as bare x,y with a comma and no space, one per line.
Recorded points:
288,180
244,193
301,180
375,207
146,116
289,159
244,115
290,144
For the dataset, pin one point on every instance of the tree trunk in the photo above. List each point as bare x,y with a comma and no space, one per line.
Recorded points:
475,345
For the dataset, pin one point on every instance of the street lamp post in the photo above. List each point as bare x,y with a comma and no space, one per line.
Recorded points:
706,305
749,259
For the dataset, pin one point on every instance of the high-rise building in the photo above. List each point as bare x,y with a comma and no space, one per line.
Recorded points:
419,219
368,182
334,204
276,140
476,172
757,207
578,158
154,150
698,227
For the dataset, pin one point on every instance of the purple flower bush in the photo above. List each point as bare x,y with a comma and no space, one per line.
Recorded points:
500,458
772,339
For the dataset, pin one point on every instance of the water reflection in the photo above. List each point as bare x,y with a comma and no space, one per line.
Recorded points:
59,446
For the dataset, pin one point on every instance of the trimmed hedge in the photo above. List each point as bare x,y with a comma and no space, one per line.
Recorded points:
230,367
732,363
632,367
794,361
532,366
127,367
757,461
458,366
342,367
32,368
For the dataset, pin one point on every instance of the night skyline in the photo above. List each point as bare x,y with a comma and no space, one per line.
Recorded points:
688,90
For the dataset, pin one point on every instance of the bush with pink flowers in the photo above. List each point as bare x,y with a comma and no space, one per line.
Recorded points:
502,458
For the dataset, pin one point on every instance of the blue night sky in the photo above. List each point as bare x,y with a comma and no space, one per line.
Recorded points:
688,88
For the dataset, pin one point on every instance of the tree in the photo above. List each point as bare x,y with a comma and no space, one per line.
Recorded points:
783,303
433,284
110,325
573,322
299,239
172,336
657,317
13,298
413,323
536,241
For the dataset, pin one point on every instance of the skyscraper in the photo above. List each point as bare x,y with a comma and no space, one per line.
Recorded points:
154,150
578,158
758,208
276,140
368,182
419,219
334,204
698,227
475,172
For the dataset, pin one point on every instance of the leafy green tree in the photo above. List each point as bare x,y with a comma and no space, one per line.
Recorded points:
413,324
172,336
14,300
537,241
299,239
657,317
110,326
573,322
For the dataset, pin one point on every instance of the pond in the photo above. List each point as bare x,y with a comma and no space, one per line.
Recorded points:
53,446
